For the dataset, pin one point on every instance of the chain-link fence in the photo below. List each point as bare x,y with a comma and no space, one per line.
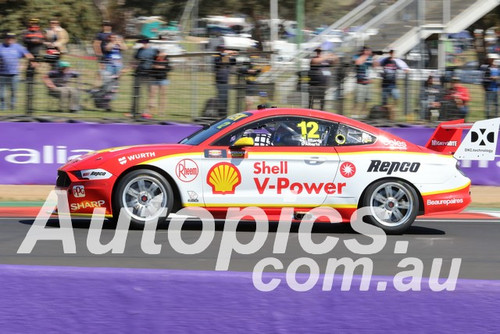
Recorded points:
191,92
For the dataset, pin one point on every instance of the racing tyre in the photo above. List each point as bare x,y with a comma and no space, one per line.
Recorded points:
145,196
393,204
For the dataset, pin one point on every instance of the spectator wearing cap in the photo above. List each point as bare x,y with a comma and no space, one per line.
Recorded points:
33,37
57,37
10,53
223,62
58,82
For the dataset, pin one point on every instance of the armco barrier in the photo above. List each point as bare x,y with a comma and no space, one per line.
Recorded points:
38,299
31,152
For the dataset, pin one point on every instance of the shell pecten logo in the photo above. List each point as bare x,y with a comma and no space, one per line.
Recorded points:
223,177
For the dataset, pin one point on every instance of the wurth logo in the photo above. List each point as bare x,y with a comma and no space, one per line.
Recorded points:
138,156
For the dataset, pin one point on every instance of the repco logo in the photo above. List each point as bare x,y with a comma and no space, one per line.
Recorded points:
393,166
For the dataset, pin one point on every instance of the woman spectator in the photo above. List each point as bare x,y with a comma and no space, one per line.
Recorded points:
158,84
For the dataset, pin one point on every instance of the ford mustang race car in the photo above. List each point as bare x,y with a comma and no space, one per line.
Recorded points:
274,159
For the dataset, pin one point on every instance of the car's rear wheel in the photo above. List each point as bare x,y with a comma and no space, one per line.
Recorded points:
145,196
393,205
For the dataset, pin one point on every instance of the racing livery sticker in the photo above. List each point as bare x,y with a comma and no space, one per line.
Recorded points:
215,154
223,177
87,205
95,174
193,196
284,184
78,191
186,170
393,166
347,169
146,155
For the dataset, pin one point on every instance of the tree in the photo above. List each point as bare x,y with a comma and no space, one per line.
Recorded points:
78,17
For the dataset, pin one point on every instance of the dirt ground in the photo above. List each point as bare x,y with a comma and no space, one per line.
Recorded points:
482,196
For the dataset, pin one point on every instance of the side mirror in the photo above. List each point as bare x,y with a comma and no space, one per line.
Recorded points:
243,142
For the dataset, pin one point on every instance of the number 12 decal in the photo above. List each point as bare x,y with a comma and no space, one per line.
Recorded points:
311,126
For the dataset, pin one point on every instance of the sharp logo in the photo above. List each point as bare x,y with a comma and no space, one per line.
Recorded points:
78,191
393,167
87,205
482,136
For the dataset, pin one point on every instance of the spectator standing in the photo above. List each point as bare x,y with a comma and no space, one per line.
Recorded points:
390,66
101,39
430,98
112,56
33,38
223,62
57,37
319,74
58,82
249,72
10,53
158,84
490,84
145,58
363,62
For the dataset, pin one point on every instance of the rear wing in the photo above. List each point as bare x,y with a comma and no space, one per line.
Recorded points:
480,143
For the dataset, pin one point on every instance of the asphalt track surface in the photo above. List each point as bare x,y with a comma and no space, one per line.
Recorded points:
476,242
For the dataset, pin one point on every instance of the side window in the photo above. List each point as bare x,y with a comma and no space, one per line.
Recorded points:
347,135
284,131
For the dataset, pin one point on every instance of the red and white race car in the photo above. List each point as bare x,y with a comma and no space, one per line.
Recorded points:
272,159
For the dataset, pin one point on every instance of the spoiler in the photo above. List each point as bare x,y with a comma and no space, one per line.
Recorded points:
480,143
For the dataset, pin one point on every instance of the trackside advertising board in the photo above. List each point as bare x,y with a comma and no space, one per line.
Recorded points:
30,153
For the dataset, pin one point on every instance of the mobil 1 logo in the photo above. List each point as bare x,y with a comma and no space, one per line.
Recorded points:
390,167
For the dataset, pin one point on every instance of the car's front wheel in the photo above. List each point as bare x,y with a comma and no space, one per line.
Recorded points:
393,205
144,195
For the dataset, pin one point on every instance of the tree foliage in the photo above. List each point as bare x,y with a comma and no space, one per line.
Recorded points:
79,17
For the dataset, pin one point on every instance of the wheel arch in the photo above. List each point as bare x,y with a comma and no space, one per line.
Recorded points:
420,198
175,189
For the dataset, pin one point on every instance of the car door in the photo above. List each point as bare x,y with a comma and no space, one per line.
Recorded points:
355,151
291,163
